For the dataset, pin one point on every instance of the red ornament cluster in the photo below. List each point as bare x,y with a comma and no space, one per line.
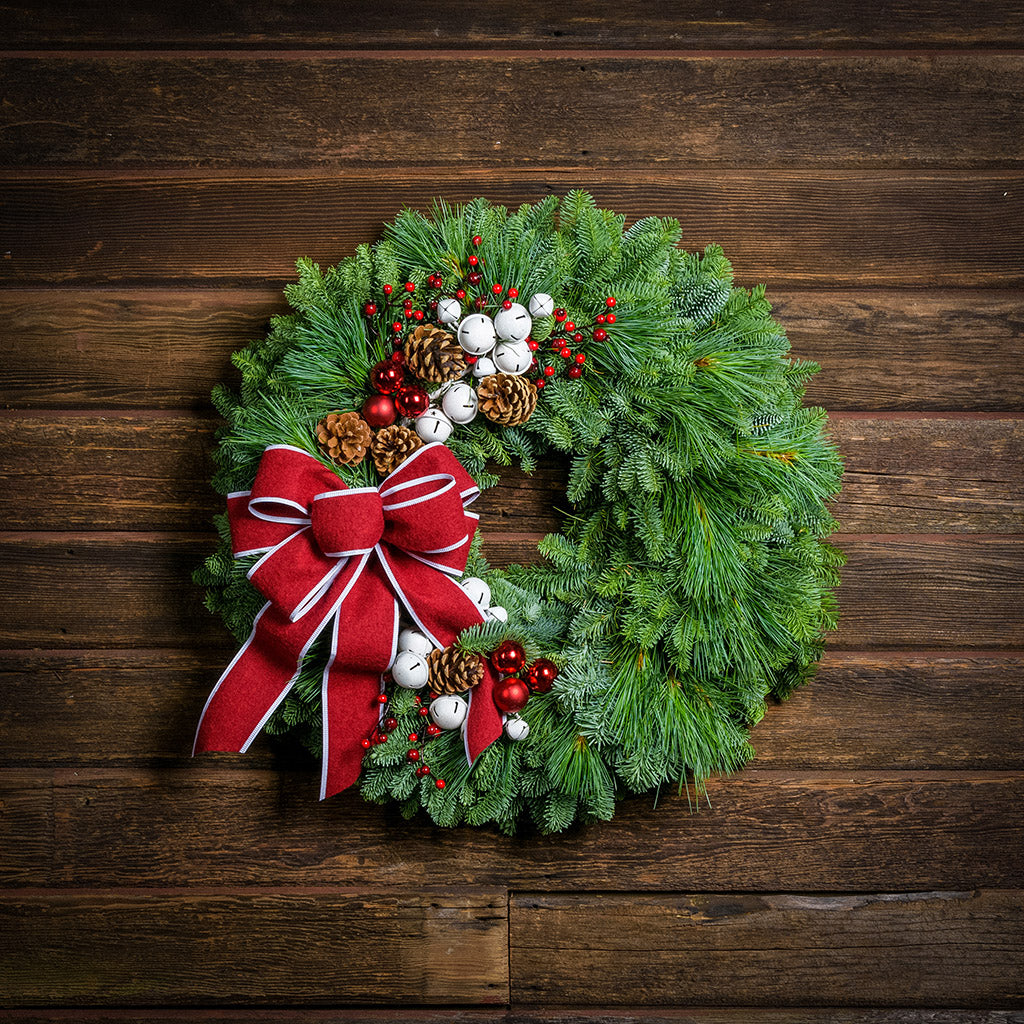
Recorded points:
512,692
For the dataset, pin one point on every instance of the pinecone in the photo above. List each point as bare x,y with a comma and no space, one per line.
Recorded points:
434,355
452,671
507,399
344,438
392,446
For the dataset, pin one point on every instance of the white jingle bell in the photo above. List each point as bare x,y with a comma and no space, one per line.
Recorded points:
476,334
448,311
496,613
541,304
410,670
484,367
513,324
512,357
459,403
478,591
449,711
413,640
516,729
433,425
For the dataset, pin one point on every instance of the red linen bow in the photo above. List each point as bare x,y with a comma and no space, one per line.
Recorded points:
343,559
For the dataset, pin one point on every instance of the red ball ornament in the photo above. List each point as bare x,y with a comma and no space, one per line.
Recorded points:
412,401
387,377
508,656
600,334
511,695
541,676
379,410
574,372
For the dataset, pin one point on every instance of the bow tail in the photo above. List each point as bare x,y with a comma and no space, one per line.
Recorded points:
442,609
364,638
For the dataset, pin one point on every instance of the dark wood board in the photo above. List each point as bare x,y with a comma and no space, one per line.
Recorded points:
140,707
797,228
167,348
308,946
149,471
909,949
943,110
220,819
505,26
903,592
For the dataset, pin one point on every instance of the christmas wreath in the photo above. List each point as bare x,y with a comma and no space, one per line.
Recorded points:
690,581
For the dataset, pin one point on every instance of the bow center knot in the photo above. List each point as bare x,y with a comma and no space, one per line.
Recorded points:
347,522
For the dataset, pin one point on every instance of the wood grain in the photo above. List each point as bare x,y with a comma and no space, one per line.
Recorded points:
125,708
26,828
311,946
220,111
899,593
911,949
149,471
437,24
794,228
221,819
78,348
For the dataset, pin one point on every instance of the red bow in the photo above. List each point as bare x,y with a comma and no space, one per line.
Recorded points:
343,559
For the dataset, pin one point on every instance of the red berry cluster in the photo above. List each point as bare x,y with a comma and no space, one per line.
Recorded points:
512,692
417,740
568,333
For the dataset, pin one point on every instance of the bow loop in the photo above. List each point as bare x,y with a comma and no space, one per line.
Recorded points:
347,522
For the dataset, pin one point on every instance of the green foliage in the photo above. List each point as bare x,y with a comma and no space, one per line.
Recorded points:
691,580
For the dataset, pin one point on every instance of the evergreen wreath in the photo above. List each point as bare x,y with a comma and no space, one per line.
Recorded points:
690,581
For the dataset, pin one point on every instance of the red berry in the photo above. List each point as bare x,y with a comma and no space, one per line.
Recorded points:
382,737
433,730
382,699
565,353
540,384
460,293
610,318
423,769
531,345
569,326
366,744
581,358
577,337
475,277
575,372
439,783
497,288
413,755
390,723
600,318
507,304
398,357
423,714
409,286
560,315
480,302
473,260
548,371
370,308
419,772
387,289
471,359
477,239
513,293
408,312
438,281
418,315
610,301
600,334
396,327
413,737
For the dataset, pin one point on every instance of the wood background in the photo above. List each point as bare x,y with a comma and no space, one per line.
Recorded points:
163,165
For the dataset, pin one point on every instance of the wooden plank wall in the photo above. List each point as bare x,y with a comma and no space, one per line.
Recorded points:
163,165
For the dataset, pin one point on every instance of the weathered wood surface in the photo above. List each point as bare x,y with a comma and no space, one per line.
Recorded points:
909,949
167,348
797,228
309,946
506,26
221,819
126,707
901,592
235,112
149,470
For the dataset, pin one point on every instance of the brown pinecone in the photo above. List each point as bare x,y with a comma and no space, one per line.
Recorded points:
507,399
452,671
433,355
392,446
344,438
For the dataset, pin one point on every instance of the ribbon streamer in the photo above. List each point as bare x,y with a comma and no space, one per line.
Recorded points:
344,560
